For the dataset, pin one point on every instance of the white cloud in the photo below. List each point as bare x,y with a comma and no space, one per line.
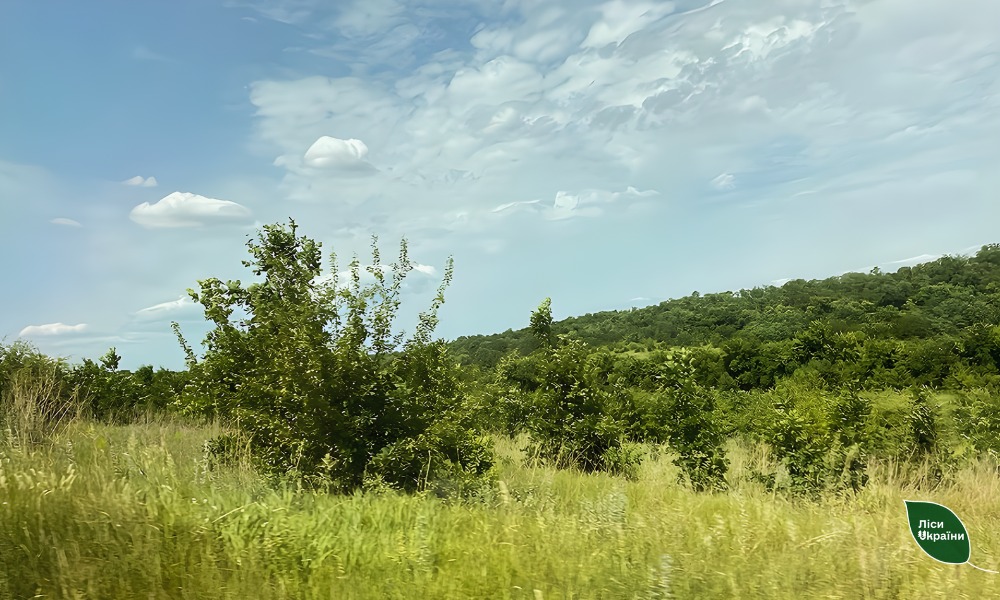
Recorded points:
916,260
425,269
139,181
503,79
184,209
165,309
52,329
565,204
725,181
510,205
338,155
761,39
66,222
622,18
565,201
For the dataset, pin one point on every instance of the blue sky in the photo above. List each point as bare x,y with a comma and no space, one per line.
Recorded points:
606,154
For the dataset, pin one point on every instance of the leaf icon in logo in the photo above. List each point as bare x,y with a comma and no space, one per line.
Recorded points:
939,532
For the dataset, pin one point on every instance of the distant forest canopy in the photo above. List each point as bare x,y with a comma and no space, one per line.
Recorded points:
943,301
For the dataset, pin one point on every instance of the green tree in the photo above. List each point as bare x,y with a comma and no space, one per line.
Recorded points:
691,424
315,377
574,419
541,324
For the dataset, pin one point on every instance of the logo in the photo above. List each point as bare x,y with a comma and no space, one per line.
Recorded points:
940,533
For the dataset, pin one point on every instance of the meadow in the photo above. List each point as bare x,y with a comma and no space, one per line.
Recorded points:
141,511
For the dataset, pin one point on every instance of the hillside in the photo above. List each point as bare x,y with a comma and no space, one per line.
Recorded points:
942,298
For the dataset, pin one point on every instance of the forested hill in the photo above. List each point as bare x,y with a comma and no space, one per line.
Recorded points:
943,298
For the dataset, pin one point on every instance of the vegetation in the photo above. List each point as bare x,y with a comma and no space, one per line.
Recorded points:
757,443
315,379
933,324
140,511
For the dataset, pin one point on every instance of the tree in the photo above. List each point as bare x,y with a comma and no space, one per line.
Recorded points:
541,324
572,417
316,378
691,425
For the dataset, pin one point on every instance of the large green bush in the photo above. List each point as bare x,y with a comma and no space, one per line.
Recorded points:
573,417
314,376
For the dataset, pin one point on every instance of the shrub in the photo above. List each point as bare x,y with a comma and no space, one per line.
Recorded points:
693,428
573,417
316,379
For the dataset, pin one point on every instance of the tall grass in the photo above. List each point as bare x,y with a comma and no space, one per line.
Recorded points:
35,399
140,512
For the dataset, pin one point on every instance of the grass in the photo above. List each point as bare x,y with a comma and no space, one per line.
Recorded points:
138,512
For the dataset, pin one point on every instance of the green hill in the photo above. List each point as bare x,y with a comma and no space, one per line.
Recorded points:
935,300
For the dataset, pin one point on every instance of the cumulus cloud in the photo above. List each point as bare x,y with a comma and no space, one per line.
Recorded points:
52,329
65,221
338,155
184,209
621,18
139,181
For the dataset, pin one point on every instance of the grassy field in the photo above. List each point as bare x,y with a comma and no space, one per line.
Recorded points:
137,512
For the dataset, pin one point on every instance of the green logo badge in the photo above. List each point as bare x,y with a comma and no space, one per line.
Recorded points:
940,533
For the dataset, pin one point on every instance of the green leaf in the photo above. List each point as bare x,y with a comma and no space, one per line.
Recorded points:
939,532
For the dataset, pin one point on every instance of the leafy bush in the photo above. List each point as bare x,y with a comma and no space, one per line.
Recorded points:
800,440
316,379
692,426
573,417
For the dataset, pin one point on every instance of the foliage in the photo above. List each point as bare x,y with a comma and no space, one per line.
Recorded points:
693,432
113,395
934,324
574,418
315,376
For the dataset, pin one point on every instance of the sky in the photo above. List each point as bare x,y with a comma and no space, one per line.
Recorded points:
606,154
